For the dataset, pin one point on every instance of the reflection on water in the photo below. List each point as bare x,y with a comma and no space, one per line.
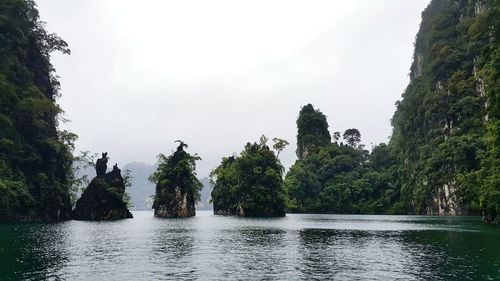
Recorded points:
172,248
347,255
297,247
33,252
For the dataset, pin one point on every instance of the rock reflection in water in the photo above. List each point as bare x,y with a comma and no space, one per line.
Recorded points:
172,252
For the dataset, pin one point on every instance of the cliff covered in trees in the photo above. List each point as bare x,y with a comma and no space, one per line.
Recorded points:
35,158
250,184
444,153
446,126
177,188
338,177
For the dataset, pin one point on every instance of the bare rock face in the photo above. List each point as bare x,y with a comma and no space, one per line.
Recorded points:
178,205
103,198
445,202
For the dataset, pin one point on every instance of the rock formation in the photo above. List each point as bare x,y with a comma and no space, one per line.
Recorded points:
446,125
103,198
251,184
176,185
101,164
312,131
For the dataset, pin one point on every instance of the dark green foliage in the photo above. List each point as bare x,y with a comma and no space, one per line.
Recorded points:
177,188
338,178
446,126
312,131
35,158
352,137
250,184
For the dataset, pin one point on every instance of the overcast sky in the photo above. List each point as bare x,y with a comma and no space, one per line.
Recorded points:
217,74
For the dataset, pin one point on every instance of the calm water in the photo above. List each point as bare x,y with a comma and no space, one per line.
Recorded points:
297,247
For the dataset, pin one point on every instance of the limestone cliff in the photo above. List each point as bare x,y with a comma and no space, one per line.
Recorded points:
446,125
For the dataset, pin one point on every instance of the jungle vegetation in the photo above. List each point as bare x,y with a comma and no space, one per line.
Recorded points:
250,184
35,157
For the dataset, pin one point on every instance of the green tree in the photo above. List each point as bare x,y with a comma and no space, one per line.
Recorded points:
352,137
279,145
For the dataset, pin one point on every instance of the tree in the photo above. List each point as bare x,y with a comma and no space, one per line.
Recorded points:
279,145
336,136
352,137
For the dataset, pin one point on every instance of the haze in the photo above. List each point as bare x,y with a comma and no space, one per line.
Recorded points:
217,74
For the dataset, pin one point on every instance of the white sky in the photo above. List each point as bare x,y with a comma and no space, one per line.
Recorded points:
217,74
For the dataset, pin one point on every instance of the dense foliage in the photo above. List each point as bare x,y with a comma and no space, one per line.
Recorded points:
35,158
341,178
176,181
446,127
444,153
312,131
250,184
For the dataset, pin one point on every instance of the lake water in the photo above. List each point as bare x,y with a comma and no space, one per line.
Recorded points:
296,247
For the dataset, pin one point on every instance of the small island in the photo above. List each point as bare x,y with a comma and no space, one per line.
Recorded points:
250,184
177,187
104,197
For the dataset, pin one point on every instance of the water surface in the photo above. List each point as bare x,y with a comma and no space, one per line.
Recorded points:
297,247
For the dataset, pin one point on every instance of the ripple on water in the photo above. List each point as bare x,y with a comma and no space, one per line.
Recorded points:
297,247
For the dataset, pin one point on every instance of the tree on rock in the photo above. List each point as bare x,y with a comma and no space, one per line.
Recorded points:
312,131
177,188
250,184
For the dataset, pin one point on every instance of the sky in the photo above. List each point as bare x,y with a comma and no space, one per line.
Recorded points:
217,74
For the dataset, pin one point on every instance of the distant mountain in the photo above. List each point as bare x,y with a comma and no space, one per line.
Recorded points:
206,192
142,190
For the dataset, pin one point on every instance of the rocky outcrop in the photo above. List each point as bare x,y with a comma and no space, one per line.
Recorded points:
103,198
445,201
101,165
177,204
176,185
312,131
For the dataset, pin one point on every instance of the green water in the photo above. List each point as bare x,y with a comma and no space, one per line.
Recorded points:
297,247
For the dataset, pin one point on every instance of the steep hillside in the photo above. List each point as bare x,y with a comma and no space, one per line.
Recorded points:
35,158
446,127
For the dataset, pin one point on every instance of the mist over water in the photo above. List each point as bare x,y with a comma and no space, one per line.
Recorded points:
297,247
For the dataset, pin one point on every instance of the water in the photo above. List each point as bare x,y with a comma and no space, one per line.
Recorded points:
297,247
